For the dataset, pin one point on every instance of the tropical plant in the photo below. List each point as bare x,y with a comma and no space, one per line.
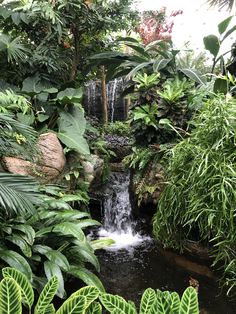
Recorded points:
56,44
15,290
228,4
161,112
118,128
198,201
214,43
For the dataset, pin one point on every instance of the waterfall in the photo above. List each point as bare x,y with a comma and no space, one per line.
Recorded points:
116,103
117,223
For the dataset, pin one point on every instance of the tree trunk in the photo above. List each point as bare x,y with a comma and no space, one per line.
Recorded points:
76,57
104,96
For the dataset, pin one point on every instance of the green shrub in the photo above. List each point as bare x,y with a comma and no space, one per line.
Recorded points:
16,290
199,199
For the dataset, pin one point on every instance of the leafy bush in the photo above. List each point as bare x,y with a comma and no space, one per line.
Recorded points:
161,112
118,128
198,202
15,289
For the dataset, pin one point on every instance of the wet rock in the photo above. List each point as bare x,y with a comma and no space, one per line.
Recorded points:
148,189
93,168
46,167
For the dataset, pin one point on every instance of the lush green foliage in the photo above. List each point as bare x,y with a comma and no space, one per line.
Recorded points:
53,39
198,202
161,112
15,289
118,127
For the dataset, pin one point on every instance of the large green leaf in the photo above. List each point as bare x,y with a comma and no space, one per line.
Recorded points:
94,308
75,305
21,243
162,304
10,297
194,75
189,302
70,228
212,44
46,296
160,64
101,243
147,301
85,254
116,304
17,261
58,258
229,32
87,277
50,309
71,129
222,26
175,302
70,95
53,270
27,292
90,292
220,86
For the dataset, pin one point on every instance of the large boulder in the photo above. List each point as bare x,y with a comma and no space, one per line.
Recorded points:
46,167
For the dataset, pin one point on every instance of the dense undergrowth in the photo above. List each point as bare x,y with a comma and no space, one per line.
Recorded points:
198,202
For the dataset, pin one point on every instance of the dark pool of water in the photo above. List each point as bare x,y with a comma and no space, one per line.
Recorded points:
129,272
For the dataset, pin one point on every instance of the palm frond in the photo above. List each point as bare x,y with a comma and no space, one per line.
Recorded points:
18,194
228,4
16,138
14,49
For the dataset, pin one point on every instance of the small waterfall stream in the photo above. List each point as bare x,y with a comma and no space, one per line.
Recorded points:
118,224
116,103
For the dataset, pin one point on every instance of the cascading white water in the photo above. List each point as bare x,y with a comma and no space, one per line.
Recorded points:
118,224
115,102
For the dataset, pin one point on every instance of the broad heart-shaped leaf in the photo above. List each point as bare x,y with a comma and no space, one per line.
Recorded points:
94,308
70,94
222,26
72,120
90,292
75,305
46,295
71,129
212,44
147,301
52,269
17,261
116,304
27,292
194,75
10,297
189,302
160,64
87,277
